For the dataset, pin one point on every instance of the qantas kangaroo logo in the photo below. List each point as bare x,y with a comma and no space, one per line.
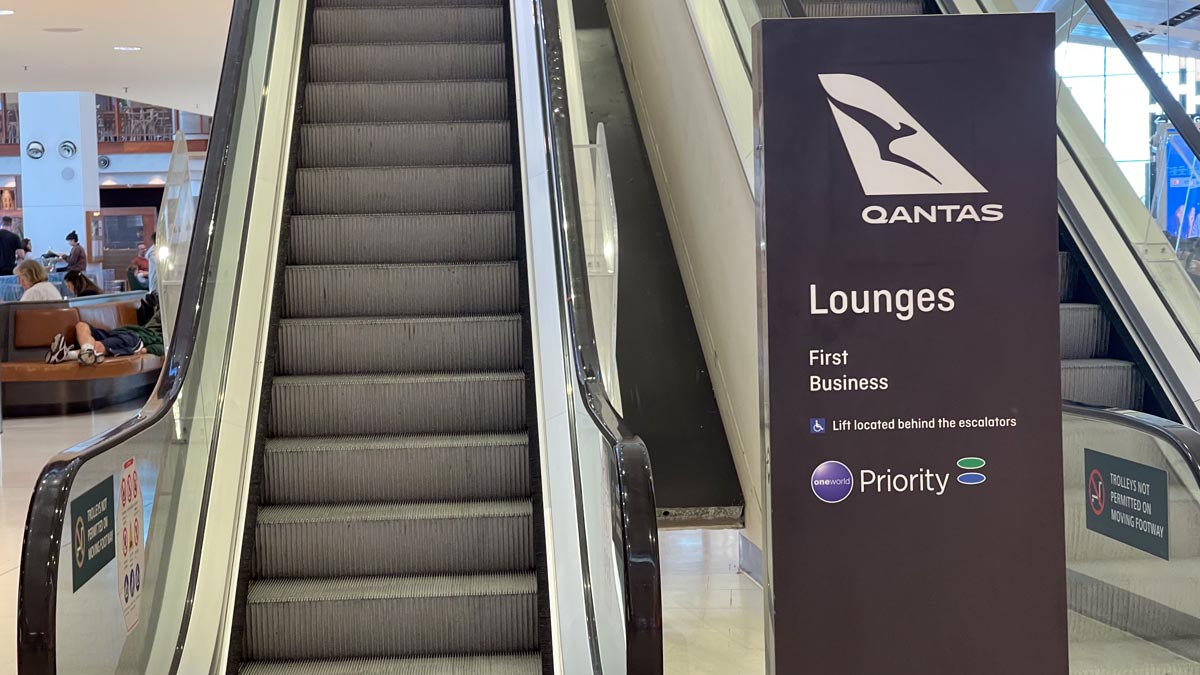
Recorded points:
892,153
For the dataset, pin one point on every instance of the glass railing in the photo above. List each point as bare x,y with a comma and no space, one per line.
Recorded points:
138,494
1132,514
613,483
598,210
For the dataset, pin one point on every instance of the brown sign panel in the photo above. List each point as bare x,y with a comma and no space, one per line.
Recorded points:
909,233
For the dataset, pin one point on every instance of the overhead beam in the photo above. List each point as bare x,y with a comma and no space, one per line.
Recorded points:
1185,15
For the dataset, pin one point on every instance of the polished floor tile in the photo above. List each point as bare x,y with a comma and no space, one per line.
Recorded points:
26,444
712,613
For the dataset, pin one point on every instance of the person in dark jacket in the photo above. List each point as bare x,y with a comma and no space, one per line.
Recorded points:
77,258
9,244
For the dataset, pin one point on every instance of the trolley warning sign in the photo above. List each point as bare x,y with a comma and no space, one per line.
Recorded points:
131,557
1128,502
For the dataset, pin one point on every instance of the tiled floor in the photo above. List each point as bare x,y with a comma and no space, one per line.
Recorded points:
712,614
25,446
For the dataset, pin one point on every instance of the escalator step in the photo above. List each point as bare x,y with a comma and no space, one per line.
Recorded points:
407,24
389,290
404,144
448,100
328,405
405,62
396,468
1066,277
399,345
420,189
391,616
360,539
1084,331
526,664
1102,382
412,238
833,8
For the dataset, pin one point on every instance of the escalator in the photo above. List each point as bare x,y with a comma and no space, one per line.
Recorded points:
342,467
397,508
1129,313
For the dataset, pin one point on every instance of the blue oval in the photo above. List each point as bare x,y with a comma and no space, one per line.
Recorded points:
971,478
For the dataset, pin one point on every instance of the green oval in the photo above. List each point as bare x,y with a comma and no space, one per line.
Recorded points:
970,463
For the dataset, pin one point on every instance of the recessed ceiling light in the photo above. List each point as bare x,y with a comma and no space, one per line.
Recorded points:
6,12
63,30
128,49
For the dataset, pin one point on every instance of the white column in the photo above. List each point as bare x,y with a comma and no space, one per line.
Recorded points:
58,193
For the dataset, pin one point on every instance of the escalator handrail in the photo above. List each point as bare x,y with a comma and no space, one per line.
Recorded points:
38,585
1182,438
643,600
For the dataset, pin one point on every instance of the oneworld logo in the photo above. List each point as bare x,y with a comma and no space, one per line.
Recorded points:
894,155
833,481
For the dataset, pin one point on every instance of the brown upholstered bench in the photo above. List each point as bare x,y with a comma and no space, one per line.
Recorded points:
33,387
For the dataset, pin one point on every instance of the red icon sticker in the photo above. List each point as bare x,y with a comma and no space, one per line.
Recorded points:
1096,493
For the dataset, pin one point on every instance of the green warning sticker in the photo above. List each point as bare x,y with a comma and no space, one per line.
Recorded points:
93,534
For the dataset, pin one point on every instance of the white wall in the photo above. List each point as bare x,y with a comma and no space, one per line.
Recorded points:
710,211
57,192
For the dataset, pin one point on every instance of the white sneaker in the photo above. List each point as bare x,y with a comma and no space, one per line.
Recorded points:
89,357
58,349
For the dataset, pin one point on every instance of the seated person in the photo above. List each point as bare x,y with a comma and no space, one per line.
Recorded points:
96,343
80,285
140,264
36,283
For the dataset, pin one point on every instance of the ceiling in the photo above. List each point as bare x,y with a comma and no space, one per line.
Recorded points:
1137,15
182,41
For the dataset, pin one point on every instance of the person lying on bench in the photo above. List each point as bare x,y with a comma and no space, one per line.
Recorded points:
95,344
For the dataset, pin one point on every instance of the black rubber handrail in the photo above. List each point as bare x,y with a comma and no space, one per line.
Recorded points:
38,589
1182,438
635,482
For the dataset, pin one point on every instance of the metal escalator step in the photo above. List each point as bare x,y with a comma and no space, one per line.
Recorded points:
396,468
399,345
407,24
404,144
1084,331
1066,277
391,62
453,100
379,539
421,189
449,289
331,405
832,8
409,238
1102,382
522,664
391,616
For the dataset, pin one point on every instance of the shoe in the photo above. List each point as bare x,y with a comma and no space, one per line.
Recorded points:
58,349
89,357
